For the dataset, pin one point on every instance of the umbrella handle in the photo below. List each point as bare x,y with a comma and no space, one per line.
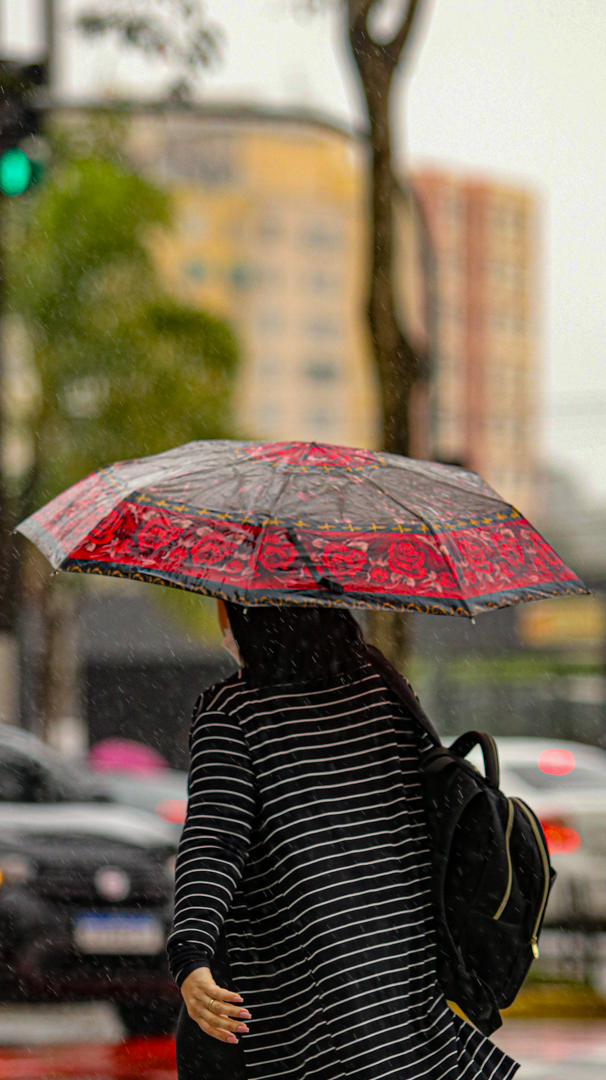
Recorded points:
320,579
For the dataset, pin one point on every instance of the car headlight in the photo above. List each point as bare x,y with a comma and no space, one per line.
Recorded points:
172,810
16,869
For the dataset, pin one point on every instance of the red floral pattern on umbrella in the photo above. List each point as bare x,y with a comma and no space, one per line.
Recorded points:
303,523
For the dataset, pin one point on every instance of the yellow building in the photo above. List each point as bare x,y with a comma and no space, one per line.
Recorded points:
270,232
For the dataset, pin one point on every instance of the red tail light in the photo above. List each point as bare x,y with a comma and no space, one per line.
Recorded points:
173,810
561,839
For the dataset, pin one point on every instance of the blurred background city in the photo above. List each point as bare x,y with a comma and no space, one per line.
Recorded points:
184,254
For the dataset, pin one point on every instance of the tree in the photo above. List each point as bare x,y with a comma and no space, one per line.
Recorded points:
124,369
117,368
399,364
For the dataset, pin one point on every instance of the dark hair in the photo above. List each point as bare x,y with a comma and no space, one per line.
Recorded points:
296,644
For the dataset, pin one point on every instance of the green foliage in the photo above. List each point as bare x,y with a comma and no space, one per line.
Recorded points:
124,369
516,668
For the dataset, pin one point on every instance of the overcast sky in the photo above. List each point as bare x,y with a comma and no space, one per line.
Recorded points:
512,88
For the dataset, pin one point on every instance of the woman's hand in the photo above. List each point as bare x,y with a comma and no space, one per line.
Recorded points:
199,991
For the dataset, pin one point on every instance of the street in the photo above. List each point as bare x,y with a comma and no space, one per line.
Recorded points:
556,1049
45,1043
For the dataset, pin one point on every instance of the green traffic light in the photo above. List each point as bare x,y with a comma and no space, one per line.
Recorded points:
15,172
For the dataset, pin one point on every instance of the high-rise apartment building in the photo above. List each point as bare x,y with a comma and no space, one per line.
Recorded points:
270,231
484,389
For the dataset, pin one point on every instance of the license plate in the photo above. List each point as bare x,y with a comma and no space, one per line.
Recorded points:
106,933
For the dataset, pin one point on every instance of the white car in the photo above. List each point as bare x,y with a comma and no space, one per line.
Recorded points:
565,784
163,793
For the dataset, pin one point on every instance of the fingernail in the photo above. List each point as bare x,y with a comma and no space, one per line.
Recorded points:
245,1013
231,1039
241,1027
237,997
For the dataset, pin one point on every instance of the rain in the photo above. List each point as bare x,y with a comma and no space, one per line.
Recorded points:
302,521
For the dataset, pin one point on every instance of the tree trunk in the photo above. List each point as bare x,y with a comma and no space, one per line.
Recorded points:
399,365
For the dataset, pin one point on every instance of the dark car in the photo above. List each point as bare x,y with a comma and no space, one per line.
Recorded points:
86,890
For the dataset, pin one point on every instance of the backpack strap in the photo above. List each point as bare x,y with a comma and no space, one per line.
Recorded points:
466,742
403,690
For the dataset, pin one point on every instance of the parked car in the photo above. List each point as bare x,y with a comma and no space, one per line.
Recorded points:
565,784
86,890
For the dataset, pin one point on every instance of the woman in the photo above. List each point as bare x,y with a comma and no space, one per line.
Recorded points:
302,887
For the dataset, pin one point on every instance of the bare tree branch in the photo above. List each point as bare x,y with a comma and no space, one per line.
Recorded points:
176,31
401,36
366,44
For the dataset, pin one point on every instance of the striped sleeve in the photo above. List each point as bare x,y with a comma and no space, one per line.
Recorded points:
215,840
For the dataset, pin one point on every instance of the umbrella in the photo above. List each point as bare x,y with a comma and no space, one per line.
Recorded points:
303,523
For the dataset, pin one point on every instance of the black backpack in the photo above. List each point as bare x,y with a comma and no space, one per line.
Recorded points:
491,874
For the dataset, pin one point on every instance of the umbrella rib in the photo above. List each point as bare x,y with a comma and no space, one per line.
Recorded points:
433,532
495,497
272,514
318,577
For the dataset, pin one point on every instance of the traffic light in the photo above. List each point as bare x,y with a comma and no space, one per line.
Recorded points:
21,148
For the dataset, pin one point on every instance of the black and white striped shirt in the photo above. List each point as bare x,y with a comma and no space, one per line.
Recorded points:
305,843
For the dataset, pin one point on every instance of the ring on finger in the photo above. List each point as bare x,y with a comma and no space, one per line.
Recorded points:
210,1004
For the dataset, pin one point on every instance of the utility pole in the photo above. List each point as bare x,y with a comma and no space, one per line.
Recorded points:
9,656
50,41
19,120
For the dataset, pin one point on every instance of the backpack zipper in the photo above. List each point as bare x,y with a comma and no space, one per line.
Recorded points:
502,905
545,860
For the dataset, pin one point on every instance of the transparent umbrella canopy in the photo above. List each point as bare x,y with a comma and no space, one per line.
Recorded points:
303,523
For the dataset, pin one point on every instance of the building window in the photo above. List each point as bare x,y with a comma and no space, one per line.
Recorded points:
323,283
450,205
270,322
506,220
322,371
321,237
269,230
508,322
195,270
241,276
322,421
269,275
208,162
506,273
323,328
271,368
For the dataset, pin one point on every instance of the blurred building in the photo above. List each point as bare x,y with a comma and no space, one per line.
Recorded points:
270,232
484,400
